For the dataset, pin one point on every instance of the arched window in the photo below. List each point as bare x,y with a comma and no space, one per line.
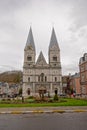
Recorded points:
29,58
55,79
54,58
28,91
28,79
38,78
42,77
45,78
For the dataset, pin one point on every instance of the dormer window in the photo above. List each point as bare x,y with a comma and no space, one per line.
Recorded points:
54,58
29,58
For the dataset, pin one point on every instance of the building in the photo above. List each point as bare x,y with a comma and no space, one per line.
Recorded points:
71,84
40,74
13,90
83,74
4,88
9,89
64,83
75,84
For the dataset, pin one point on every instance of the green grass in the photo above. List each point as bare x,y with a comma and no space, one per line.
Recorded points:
63,102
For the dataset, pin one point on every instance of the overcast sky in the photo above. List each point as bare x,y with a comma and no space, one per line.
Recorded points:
69,18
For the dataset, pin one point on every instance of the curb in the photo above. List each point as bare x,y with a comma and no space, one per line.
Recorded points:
42,111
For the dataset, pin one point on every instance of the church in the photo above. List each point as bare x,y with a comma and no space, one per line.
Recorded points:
38,74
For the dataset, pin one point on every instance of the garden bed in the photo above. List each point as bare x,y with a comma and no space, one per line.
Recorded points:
33,103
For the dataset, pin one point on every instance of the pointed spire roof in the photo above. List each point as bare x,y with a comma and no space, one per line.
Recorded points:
41,59
53,40
30,39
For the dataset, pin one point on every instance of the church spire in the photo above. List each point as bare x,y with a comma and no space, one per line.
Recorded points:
30,39
53,40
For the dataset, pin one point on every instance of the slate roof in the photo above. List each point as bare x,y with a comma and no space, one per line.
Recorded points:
30,39
53,40
41,58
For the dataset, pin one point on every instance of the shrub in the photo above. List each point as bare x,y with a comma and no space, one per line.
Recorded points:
31,97
50,100
31,100
8,99
55,97
3,99
20,91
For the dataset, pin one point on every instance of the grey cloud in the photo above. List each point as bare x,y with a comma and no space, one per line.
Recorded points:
78,14
71,68
10,5
16,16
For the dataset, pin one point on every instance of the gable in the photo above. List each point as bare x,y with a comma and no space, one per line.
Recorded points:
41,60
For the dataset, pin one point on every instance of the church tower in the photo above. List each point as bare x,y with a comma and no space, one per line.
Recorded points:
40,75
29,51
54,51
54,63
29,63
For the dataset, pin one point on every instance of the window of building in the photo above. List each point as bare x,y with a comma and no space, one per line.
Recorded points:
86,75
86,66
28,79
29,58
38,78
85,57
45,78
82,78
28,91
82,68
54,64
55,79
54,58
42,77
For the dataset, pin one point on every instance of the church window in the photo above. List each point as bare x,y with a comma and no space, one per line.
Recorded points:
29,58
28,91
29,79
38,78
45,78
54,58
42,77
55,79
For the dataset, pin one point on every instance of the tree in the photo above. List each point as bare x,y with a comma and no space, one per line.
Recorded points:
42,91
69,86
56,95
20,91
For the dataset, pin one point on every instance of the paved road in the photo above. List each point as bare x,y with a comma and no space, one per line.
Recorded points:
44,108
56,121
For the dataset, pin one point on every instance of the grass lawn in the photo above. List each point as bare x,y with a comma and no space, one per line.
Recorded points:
63,102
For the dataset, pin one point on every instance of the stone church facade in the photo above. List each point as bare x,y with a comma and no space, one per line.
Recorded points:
40,74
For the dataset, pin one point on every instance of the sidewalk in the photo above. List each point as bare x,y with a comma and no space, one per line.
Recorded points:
27,110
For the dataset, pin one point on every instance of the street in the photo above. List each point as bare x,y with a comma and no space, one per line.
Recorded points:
56,121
